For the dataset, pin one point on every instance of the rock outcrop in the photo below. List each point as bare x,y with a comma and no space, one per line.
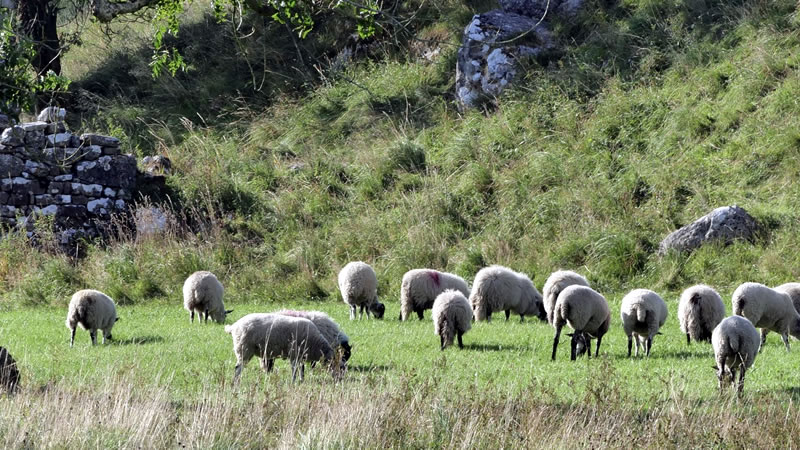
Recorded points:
725,224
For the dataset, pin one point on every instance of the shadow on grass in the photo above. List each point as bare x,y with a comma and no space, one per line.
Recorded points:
138,340
492,347
367,369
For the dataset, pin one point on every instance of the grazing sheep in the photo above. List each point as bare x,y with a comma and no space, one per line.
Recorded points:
329,329
270,336
793,289
9,374
768,309
452,315
700,310
498,288
202,292
420,287
359,287
735,341
643,313
555,283
93,311
586,312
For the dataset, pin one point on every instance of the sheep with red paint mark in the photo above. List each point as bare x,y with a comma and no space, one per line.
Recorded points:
420,287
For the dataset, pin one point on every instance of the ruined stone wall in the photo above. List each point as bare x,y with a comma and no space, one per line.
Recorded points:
46,170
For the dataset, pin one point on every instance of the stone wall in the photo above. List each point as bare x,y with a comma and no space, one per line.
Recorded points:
79,180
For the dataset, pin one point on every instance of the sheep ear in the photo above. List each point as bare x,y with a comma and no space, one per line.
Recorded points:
570,334
228,311
116,319
659,333
715,368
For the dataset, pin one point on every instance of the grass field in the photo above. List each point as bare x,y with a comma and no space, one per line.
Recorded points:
166,382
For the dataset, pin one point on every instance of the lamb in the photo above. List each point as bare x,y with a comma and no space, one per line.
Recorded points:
643,313
270,336
586,311
736,343
202,293
420,287
452,315
700,310
9,374
793,289
329,329
768,309
359,287
555,283
498,288
93,311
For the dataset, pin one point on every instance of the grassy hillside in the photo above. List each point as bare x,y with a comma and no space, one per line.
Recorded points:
651,114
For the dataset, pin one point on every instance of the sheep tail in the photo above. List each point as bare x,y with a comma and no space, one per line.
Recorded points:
447,331
405,301
641,315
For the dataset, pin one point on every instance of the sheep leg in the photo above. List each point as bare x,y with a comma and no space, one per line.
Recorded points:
93,334
294,371
206,318
441,342
508,314
237,372
764,332
785,338
630,344
688,339
649,345
740,386
72,337
361,313
597,349
352,312
555,343
460,344
302,371
721,374
191,317
420,314
521,318
488,313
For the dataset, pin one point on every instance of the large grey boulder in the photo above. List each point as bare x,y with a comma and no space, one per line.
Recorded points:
490,48
724,224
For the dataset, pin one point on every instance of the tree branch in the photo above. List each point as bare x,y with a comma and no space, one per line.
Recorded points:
106,11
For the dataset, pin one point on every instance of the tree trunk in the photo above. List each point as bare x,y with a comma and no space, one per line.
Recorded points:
39,21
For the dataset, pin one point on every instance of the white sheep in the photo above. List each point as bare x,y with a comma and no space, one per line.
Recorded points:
420,287
555,283
586,312
700,310
330,330
359,287
93,311
736,343
9,373
452,316
643,313
270,336
202,293
793,289
498,288
768,309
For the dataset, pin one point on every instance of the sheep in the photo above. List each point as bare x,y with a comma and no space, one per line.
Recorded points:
498,288
93,311
700,310
270,336
768,309
9,374
736,343
452,315
202,292
793,289
643,312
359,287
420,287
586,311
555,283
329,329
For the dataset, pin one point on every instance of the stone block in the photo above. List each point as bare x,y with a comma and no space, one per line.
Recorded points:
98,139
11,166
33,126
52,114
59,139
12,136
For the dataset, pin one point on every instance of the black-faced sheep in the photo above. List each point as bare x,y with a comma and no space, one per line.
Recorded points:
93,311
498,288
271,336
202,293
359,287
643,313
736,343
452,316
420,287
700,310
586,312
